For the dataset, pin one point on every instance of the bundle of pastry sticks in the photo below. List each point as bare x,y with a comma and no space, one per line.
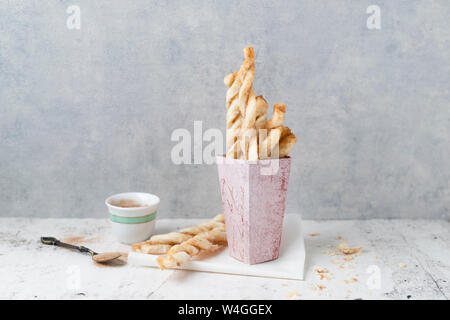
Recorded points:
249,134
176,248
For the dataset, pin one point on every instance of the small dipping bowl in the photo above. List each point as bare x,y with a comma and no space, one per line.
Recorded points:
132,215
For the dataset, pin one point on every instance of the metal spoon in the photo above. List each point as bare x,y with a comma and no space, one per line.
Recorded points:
97,257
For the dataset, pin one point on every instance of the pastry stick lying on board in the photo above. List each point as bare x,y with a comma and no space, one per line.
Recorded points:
161,243
218,222
202,243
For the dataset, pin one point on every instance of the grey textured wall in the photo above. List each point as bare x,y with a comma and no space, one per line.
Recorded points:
88,113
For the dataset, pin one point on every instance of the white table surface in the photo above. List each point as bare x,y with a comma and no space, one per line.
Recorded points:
401,259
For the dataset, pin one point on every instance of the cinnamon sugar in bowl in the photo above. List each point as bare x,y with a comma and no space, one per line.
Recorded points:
132,215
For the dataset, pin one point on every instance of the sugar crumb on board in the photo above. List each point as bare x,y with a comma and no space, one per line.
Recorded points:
323,273
345,249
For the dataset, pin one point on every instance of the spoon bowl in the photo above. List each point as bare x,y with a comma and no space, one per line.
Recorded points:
106,257
97,257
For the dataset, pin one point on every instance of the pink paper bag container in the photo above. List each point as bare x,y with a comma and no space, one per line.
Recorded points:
254,199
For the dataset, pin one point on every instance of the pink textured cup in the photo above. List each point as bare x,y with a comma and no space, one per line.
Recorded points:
254,199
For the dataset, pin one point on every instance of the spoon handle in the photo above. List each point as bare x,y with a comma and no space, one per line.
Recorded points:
55,242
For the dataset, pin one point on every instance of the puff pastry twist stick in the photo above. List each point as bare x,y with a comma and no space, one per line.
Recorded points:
161,243
204,242
248,135
240,85
280,140
287,141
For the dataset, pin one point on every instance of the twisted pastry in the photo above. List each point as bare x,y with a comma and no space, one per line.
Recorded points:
257,117
233,117
268,145
247,136
148,248
287,141
278,116
261,113
218,222
239,85
204,242
280,139
161,243
247,105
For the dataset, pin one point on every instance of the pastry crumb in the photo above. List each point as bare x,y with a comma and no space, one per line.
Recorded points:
345,249
401,265
350,280
348,258
324,274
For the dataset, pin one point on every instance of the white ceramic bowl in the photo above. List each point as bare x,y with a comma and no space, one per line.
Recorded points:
131,225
